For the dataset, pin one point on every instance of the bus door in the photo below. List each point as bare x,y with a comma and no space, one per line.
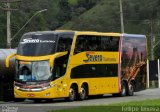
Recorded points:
61,63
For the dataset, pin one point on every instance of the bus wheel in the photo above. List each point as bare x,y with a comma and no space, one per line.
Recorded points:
130,91
72,94
123,89
83,93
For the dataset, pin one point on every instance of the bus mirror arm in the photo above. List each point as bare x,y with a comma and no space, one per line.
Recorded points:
8,59
56,55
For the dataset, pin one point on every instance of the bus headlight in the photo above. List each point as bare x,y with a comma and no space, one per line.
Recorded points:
16,87
44,88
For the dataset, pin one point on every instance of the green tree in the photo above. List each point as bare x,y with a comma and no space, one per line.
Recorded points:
73,2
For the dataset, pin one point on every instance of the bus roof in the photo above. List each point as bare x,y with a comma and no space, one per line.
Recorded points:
133,35
47,32
86,33
91,33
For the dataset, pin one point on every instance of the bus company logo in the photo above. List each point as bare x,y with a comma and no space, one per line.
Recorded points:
9,109
30,40
92,57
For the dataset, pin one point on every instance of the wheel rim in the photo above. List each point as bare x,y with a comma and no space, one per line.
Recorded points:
131,88
72,94
83,93
123,90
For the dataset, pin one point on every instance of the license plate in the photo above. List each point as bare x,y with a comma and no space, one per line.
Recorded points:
30,95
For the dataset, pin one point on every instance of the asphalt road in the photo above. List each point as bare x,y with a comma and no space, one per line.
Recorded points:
30,106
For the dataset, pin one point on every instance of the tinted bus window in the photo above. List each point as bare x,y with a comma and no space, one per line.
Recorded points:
95,71
37,45
64,43
96,43
87,43
109,43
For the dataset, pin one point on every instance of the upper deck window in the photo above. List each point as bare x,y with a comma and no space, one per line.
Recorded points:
96,43
64,43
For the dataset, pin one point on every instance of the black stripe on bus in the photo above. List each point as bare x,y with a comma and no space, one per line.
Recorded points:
95,71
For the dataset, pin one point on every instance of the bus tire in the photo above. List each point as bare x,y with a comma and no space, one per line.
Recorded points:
83,93
130,91
123,89
72,94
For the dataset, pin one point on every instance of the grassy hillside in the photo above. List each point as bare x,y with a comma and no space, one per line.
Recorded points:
106,17
102,17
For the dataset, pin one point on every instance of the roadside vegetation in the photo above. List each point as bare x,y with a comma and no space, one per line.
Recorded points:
135,106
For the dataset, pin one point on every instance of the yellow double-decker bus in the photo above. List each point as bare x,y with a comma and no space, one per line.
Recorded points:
78,64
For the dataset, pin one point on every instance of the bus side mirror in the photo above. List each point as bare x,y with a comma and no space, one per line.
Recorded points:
8,59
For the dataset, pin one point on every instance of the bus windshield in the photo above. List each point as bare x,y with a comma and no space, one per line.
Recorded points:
37,45
34,71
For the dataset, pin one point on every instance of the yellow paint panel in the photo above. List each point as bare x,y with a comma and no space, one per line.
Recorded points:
97,33
33,58
40,58
104,85
8,59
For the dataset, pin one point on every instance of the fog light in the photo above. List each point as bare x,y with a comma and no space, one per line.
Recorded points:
47,94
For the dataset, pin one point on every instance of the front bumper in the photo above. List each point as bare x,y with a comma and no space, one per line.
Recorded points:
48,93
